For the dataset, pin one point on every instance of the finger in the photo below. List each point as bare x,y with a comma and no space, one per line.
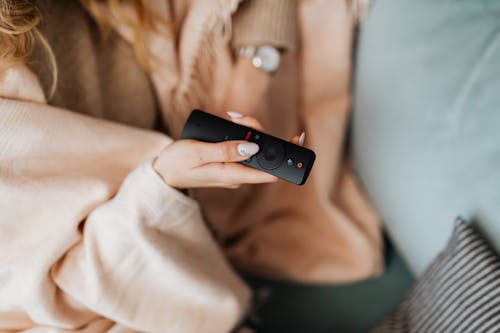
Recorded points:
204,184
247,121
295,140
302,139
233,174
201,153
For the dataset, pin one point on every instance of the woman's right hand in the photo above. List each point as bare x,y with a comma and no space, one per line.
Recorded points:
193,164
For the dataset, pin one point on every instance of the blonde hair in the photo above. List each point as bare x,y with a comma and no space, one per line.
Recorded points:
19,33
145,20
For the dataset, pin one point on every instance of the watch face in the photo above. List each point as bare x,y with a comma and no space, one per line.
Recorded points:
267,58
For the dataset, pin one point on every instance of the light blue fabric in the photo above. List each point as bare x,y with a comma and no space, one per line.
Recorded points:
426,121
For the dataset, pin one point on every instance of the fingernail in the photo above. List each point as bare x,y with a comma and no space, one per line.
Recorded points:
248,148
233,114
302,138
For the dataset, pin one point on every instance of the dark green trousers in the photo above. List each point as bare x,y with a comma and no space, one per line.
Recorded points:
356,307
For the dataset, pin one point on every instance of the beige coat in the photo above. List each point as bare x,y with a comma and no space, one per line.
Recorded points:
91,239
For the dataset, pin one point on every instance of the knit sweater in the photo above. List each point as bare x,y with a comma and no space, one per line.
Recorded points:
271,22
91,238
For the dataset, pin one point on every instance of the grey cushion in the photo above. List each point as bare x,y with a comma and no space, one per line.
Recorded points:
460,292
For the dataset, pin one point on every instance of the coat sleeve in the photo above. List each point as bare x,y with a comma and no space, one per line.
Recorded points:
147,261
88,229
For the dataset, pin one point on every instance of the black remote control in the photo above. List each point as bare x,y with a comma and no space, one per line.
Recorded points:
278,157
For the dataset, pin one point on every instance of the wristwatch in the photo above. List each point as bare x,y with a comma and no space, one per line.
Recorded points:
267,58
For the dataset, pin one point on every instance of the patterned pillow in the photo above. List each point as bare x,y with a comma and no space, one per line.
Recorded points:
459,292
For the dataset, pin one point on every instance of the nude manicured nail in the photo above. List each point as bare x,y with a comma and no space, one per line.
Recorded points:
248,148
233,114
302,138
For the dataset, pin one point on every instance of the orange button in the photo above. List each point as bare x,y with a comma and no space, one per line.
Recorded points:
299,165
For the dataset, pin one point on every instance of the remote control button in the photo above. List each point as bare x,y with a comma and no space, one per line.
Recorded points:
289,162
271,155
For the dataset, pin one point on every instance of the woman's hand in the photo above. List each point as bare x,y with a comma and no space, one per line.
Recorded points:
191,164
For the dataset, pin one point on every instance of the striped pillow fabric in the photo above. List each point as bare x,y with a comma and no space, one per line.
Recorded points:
459,293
